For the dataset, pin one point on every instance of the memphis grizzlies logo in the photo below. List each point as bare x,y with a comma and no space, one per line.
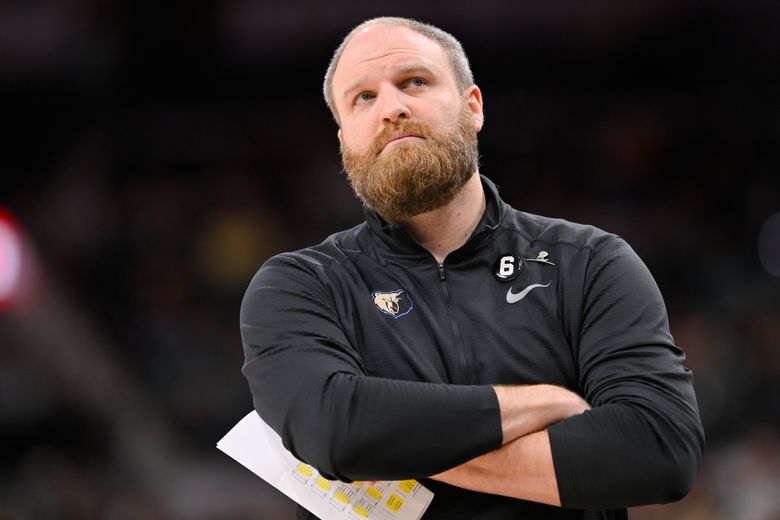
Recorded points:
394,303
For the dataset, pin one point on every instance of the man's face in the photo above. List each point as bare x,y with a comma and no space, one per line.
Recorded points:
408,134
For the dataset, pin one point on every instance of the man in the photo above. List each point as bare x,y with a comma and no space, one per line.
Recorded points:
451,336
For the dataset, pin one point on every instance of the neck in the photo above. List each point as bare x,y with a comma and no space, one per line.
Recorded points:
445,229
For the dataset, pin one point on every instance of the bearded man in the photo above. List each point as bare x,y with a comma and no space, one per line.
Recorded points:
521,365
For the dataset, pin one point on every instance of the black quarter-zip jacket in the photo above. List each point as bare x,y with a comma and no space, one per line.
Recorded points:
374,362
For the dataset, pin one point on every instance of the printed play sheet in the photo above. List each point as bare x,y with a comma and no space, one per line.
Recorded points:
255,445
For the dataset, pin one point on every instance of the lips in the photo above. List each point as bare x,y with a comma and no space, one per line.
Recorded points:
399,136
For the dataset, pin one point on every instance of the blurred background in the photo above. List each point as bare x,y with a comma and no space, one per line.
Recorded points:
156,153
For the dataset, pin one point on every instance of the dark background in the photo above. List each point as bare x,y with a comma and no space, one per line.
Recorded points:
156,153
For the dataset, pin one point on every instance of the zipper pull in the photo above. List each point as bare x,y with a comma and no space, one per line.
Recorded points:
442,275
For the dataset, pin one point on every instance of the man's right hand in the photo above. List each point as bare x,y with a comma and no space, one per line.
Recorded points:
530,408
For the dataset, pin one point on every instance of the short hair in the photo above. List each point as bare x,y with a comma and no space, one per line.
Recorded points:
452,48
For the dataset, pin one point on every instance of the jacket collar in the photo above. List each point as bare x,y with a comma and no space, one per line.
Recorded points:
394,237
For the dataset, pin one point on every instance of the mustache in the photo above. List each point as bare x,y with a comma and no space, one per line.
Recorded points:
417,128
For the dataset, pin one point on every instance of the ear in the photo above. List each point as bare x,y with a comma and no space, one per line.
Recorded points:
474,101
339,135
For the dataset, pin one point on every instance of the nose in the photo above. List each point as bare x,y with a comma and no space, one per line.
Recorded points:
394,107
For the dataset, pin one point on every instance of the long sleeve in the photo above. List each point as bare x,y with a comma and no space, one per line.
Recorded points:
642,441
309,384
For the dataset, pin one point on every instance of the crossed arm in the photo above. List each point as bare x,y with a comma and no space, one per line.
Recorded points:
643,437
523,466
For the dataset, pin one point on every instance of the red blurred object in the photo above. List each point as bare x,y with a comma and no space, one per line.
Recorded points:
10,258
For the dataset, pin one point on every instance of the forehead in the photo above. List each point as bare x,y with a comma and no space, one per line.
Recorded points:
381,48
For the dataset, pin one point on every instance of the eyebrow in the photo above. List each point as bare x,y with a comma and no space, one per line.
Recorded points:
402,71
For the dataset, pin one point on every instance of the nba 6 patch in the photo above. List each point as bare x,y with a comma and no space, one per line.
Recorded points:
394,303
507,267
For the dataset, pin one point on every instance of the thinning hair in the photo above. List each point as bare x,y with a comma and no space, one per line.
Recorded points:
452,48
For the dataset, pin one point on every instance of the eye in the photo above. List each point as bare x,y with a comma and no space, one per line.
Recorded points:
364,97
417,82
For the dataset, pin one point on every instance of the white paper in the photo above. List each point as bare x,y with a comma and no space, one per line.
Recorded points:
255,445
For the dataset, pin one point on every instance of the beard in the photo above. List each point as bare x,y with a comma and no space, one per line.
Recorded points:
416,176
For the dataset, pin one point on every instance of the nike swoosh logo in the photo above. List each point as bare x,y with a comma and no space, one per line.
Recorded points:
514,298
